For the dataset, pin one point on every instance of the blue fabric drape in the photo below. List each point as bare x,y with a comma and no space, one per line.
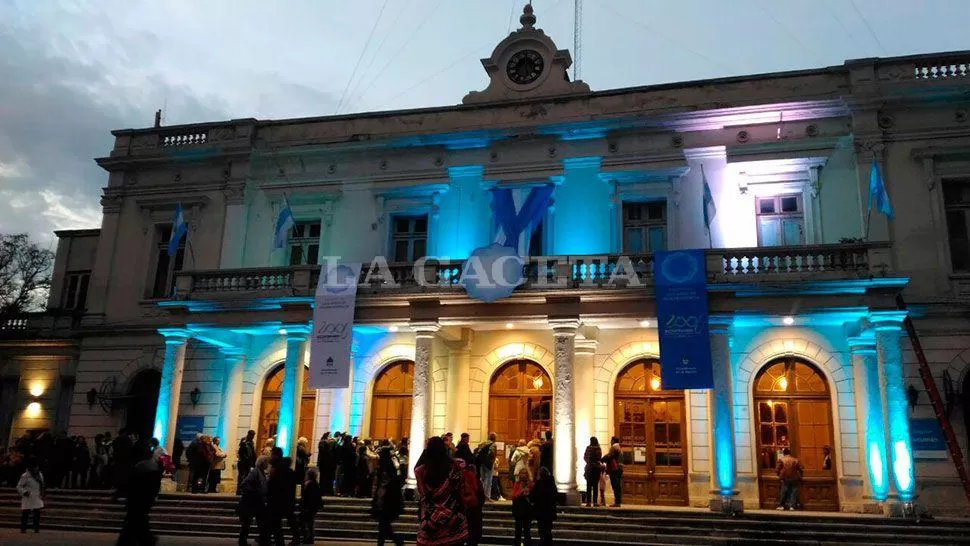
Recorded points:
514,223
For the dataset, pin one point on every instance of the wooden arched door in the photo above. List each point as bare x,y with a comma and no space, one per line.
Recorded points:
519,408
651,425
794,410
390,409
269,408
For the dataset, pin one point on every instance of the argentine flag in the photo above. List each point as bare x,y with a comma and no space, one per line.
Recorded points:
709,208
284,222
877,193
179,228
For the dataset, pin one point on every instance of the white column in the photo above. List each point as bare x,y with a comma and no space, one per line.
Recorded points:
585,417
421,394
869,405
234,361
564,410
291,397
170,389
888,325
459,366
724,474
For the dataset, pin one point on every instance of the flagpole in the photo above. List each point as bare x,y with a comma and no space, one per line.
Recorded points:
868,217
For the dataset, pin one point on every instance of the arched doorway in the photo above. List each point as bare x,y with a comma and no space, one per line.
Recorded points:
794,410
651,425
269,407
390,409
519,407
142,402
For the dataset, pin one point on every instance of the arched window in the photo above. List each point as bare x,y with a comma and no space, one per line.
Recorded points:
794,411
651,425
390,413
269,407
519,406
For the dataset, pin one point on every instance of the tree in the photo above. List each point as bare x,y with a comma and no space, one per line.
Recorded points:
25,274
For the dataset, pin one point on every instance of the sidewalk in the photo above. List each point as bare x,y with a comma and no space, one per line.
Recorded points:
12,537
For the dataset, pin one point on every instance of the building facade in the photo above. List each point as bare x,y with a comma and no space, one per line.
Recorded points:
807,338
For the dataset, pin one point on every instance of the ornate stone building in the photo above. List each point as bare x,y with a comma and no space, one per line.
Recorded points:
806,336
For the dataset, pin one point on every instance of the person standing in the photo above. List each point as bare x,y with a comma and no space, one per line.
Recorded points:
245,458
546,452
592,471
31,491
326,464
218,465
522,508
441,514
253,491
82,462
388,502
519,461
302,458
282,497
790,471
311,500
464,451
485,460
178,449
543,497
144,483
348,465
614,469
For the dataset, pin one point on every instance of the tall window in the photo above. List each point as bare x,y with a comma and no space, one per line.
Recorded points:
409,237
956,200
644,227
75,290
304,243
163,282
781,220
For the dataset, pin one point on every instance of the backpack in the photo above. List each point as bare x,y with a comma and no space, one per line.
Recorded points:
470,498
483,459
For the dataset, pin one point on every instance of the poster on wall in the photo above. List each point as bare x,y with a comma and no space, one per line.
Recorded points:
927,439
188,426
685,348
333,326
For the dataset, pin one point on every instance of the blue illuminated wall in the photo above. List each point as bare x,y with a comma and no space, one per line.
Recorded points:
464,215
582,217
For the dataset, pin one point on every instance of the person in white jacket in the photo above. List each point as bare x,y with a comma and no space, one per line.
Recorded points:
520,461
31,490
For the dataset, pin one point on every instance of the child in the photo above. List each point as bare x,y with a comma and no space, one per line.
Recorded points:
31,489
310,503
602,485
522,508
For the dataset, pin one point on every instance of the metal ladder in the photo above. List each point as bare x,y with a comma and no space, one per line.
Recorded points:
938,407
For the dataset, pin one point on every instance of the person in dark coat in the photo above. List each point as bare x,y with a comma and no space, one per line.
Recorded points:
81,464
246,458
592,471
178,449
546,452
365,481
464,451
311,500
302,459
144,482
543,497
522,508
253,491
327,464
388,502
121,449
348,464
282,497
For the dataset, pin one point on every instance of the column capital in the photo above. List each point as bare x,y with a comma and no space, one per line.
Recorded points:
586,346
719,324
887,320
564,326
862,344
295,332
425,329
175,336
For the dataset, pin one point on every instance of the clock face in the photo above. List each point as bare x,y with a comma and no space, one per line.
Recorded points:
524,67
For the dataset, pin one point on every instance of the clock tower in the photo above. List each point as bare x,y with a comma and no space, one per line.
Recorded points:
526,65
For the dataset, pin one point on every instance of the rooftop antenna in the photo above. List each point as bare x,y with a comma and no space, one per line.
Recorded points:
577,39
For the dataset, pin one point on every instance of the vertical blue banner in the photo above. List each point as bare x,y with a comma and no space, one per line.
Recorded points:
685,348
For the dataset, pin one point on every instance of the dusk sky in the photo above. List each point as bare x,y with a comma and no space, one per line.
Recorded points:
70,72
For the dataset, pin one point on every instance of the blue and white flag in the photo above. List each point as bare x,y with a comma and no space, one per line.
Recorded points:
877,193
179,228
284,222
709,208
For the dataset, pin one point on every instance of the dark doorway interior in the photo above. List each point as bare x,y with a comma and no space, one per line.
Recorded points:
143,398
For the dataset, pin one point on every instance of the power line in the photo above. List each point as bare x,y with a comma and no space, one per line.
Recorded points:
512,14
377,51
842,24
361,57
784,28
400,49
871,32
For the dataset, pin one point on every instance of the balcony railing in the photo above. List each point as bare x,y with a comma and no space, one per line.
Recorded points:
734,265
45,325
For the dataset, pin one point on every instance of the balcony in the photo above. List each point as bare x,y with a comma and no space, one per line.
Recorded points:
42,325
727,267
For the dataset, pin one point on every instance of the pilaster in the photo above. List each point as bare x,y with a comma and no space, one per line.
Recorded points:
869,406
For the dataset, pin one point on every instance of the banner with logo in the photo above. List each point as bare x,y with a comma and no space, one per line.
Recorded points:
333,326
927,439
685,347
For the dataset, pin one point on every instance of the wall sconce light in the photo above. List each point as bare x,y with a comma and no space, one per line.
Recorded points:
92,396
36,389
655,383
195,396
537,382
912,396
33,409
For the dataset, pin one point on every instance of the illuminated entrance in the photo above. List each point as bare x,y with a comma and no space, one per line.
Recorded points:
650,423
794,410
390,414
269,408
519,407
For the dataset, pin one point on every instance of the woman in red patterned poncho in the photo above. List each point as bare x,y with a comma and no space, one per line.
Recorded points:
442,519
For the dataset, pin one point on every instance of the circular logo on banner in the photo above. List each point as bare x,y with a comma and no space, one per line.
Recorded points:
679,267
339,279
492,272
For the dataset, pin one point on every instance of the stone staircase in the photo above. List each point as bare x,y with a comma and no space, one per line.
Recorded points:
214,516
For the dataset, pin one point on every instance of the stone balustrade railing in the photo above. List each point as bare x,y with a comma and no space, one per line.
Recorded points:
927,68
733,265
